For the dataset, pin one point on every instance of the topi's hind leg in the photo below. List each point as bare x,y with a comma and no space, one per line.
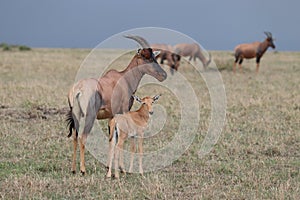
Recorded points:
234,65
74,153
257,64
257,68
163,57
88,125
240,64
82,141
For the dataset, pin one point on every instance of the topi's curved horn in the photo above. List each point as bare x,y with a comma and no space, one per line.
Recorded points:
139,40
268,34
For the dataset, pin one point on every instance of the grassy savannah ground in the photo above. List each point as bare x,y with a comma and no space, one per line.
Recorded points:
256,157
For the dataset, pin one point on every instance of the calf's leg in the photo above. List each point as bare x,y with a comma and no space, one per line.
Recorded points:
140,143
132,149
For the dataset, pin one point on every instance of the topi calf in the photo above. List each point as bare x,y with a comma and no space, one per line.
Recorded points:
130,124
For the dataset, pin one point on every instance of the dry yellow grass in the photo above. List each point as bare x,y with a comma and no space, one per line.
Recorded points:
256,157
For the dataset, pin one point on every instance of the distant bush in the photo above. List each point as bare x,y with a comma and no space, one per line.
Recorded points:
2,45
8,47
24,48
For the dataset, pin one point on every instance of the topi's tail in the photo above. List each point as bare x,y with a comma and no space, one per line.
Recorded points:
70,122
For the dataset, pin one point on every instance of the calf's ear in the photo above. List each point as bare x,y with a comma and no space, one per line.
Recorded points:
138,99
156,53
156,97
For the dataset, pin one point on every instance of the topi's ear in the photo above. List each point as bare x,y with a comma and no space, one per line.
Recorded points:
138,99
138,51
156,53
156,97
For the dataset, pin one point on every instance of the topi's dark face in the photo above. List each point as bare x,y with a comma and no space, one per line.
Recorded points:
271,43
153,69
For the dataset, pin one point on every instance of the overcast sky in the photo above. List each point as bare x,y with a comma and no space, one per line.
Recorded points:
216,24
